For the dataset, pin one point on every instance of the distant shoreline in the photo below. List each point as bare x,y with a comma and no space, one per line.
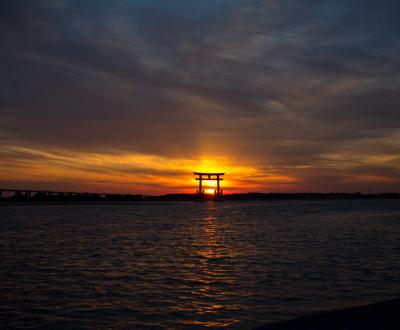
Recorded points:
119,199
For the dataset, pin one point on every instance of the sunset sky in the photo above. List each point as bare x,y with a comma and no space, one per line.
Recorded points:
134,95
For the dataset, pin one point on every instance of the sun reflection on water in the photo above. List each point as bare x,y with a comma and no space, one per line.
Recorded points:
215,277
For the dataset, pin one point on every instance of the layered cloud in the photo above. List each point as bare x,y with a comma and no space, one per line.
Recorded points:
299,96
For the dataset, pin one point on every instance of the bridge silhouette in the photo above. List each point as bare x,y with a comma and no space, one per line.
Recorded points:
37,194
28,193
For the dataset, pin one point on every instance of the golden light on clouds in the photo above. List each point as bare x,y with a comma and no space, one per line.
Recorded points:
129,172
121,172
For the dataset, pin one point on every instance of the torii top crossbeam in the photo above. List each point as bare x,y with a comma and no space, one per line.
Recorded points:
207,174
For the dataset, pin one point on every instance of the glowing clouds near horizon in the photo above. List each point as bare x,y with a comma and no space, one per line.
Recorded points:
33,167
117,171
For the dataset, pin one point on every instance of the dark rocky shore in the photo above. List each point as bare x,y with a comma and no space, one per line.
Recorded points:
379,316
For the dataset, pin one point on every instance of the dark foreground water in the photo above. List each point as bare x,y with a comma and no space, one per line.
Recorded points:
194,265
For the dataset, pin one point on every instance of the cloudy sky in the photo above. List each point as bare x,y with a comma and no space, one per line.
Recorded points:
133,95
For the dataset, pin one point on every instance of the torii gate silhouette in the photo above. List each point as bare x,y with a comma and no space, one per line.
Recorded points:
209,176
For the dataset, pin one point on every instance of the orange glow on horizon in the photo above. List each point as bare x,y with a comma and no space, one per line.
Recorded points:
121,172
28,167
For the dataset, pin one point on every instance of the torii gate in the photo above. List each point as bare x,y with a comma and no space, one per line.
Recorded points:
209,176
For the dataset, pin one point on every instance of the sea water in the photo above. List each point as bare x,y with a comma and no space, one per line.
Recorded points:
194,265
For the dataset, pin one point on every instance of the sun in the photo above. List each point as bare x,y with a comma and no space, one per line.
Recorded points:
210,191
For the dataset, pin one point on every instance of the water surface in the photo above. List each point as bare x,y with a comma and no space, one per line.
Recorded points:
194,265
